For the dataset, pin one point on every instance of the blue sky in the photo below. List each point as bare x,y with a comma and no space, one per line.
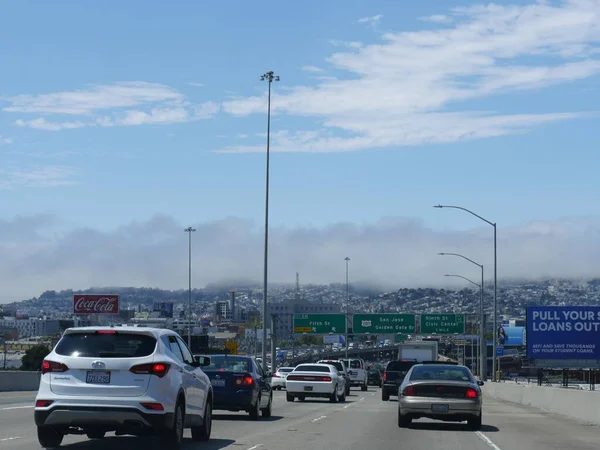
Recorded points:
113,112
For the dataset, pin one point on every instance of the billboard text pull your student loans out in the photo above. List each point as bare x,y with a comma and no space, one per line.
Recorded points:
563,332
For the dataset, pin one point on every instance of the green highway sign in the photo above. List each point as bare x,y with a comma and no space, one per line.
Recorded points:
383,323
400,338
320,323
442,323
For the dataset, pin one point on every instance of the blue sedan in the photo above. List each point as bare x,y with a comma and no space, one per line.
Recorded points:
239,384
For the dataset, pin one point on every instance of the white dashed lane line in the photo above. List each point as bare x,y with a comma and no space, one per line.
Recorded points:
318,418
15,407
487,440
9,439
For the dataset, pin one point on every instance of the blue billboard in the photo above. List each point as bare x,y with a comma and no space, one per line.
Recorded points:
563,332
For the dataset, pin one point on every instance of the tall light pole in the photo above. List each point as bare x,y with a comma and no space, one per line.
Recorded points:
347,259
269,77
472,282
493,224
482,344
190,230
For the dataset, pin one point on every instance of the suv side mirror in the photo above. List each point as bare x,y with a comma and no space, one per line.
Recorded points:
480,383
201,361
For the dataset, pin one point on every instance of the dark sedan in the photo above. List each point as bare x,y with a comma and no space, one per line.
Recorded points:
374,377
239,384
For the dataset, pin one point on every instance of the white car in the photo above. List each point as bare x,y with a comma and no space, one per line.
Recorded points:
279,377
357,373
127,380
316,380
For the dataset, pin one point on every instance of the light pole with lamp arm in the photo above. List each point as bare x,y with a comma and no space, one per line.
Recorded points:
470,281
347,259
269,77
482,343
493,224
190,230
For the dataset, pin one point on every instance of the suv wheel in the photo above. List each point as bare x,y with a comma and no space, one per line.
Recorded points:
49,437
364,387
202,433
173,438
289,397
385,396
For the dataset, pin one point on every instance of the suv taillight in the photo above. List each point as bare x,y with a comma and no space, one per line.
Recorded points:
158,369
53,366
384,376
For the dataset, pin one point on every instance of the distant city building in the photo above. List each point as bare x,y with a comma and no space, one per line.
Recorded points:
165,309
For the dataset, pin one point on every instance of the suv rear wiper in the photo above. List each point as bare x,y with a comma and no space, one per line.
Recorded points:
113,354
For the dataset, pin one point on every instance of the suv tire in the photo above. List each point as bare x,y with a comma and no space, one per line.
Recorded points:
173,438
202,433
49,437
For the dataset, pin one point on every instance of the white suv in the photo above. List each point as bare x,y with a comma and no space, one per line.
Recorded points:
130,380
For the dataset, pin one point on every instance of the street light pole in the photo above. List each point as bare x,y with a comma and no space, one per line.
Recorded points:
482,344
190,230
470,281
493,224
269,77
347,259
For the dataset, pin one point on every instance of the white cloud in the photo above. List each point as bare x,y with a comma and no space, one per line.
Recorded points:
314,69
5,140
38,254
193,83
408,90
37,177
371,20
437,18
125,103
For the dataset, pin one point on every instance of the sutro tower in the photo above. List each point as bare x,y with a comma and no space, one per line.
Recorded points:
297,296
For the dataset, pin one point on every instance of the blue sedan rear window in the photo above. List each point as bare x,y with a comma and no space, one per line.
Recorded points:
228,364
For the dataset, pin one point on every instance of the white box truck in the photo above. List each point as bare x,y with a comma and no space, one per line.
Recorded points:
419,351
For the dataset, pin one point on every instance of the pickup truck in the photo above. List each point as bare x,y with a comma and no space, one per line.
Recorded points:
341,367
393,376
357,372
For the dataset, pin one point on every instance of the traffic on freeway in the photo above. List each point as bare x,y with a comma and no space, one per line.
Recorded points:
362,422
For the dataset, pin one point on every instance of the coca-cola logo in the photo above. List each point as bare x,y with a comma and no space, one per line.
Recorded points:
96,304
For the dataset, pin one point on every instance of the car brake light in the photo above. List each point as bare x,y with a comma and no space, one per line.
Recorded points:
276,376
43,403
471,393
153,406
246,380
106,332
409,391
52,366
384,376
158,369
324,379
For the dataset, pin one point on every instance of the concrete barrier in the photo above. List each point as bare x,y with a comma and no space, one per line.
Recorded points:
16,380
575,404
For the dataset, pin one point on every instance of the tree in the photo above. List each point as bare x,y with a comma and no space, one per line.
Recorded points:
33,358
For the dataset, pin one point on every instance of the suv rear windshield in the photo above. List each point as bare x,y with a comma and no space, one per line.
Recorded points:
308,368
400,366
95,345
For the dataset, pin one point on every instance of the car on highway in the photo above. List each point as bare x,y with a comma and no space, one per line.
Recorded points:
342,368
316,380
130,380
357,373
239,384
393,376
440,391
279,377
374,377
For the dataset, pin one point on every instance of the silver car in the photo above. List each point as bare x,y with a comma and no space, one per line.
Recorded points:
440,391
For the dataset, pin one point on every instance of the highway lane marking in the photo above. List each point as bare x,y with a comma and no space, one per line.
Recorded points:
318,418
15,407
487,440
254,447
9,439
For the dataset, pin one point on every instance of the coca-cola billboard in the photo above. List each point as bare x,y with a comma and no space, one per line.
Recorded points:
95,304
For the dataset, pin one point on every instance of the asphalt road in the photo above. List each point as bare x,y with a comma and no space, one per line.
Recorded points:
363,422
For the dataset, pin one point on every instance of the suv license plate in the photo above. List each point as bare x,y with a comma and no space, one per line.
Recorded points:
308,388
440,408
97,377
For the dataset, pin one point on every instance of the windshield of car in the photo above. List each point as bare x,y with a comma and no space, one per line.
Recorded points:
112,345
400,366
338,365
228,364
311,368
447,373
